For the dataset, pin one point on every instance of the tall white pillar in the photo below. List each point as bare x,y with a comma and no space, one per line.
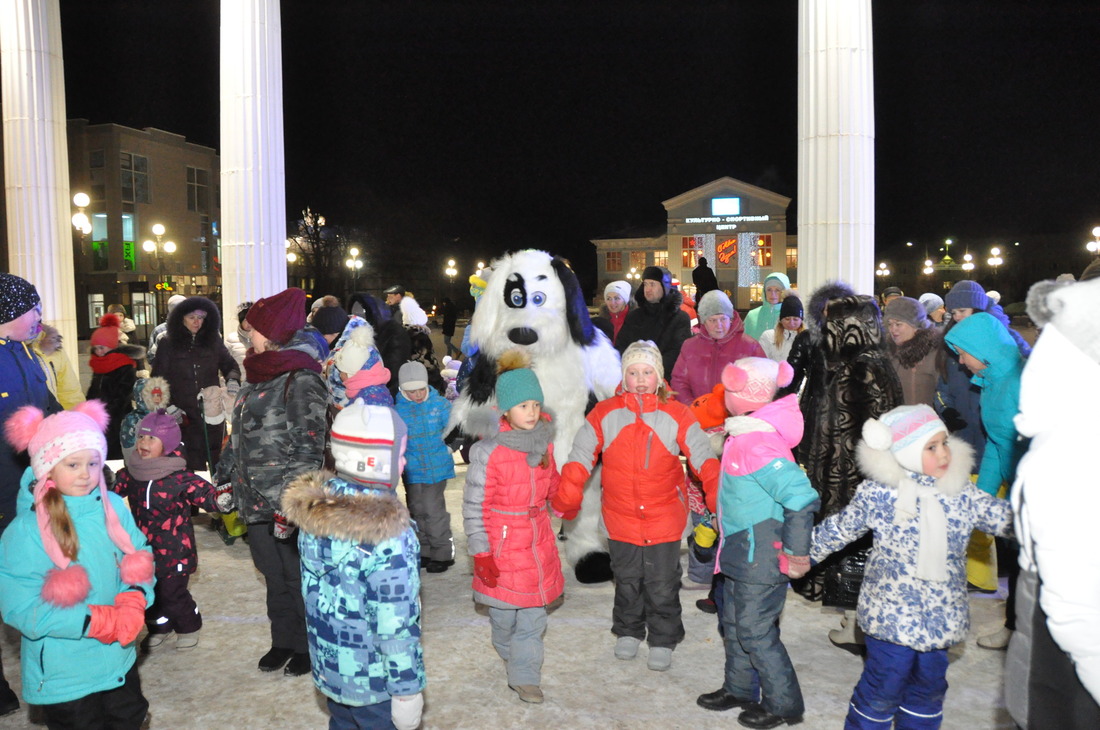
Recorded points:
836,144
36,158
253,180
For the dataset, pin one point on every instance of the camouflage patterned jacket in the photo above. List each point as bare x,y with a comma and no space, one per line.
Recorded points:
279,430
361,580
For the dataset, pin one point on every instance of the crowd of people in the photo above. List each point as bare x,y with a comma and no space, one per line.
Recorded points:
860,451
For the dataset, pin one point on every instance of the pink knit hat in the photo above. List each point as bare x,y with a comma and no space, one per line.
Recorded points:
49,440
751,382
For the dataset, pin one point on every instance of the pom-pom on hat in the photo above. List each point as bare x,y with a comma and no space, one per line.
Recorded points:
49,440
107,334
791,307
1071,309
242,310
620,287
17,297
368,444
751,382
714,302
967,294
159,424
904,431
646,352
278,317
907,310
330,320
412,376
516,383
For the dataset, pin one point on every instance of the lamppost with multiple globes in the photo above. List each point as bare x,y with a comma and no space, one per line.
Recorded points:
451,273
355,265
81,222
1094,245
995,260
155,248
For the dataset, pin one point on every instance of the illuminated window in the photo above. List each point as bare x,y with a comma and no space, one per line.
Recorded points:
792,257
637,260
763,255
134,178
725,206
756,293
660,258
689,255
613,261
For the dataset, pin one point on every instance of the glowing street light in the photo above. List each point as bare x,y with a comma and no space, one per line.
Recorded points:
1094,245
968,264
155,247
928,270
882,271
354,264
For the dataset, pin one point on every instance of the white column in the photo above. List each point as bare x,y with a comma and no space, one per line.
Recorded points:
36,158
836,144
253,181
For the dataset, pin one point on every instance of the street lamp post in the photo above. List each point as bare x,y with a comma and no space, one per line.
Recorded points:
451,272
995,260
81,222
355,264
1094,245
968,264
155,247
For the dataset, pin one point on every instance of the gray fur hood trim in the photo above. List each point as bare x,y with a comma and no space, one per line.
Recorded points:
369,517
882,467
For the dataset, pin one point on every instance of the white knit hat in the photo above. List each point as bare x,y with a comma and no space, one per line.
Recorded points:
368,443
620,287
356,351
904,431
644,351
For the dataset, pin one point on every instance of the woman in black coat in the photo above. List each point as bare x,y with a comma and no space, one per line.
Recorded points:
191,357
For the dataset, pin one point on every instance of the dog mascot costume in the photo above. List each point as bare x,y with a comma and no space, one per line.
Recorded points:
532,302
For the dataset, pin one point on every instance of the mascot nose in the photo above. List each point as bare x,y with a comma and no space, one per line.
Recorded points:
523,336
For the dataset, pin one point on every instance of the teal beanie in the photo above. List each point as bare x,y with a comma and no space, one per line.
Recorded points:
516,386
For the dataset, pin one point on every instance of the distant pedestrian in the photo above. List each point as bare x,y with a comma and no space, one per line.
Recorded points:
702,276
450,320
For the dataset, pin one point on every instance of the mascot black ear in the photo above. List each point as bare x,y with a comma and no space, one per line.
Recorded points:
581,328
483,379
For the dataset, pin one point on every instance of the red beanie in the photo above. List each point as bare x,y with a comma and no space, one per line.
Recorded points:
278,317
107,334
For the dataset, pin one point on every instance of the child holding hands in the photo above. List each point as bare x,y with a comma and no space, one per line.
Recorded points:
161,492
919,502
765,509
75,574
517,571
641,432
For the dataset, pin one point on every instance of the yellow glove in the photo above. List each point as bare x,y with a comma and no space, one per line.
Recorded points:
705,535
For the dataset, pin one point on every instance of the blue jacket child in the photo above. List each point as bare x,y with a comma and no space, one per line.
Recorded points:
361,574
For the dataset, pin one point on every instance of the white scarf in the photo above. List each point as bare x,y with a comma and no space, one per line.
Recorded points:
931,530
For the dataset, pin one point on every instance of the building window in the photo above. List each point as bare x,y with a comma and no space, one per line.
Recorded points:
613,261
660,258
637,260
95,158
134,177
198,190
763,255
689,254
792,257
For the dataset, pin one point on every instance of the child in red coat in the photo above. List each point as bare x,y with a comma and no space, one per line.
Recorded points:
161,492
641,433
517,571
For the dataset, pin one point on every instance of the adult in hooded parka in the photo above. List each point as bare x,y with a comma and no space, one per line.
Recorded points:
191,357
658,317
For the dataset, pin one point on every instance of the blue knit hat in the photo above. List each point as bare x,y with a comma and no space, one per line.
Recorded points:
516,386
967,294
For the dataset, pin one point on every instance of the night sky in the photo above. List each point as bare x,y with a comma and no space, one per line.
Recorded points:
508,124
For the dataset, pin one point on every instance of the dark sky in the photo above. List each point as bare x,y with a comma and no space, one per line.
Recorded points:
519,123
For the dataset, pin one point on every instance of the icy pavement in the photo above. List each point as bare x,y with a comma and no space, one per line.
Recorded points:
217,685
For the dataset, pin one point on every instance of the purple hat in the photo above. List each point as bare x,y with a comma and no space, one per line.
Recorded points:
159,424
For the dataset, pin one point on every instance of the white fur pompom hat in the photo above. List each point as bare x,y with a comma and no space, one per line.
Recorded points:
903,432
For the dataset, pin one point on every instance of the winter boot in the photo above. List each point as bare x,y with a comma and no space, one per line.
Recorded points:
849,636
997,640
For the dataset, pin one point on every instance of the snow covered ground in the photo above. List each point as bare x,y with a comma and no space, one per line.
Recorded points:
218,686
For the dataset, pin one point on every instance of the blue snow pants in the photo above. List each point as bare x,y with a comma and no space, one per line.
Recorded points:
900,686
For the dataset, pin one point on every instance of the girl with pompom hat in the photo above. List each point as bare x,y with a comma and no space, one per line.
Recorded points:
75,573
918,501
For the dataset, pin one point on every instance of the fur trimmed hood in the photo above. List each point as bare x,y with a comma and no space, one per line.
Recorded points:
815,307
910,353
365,515
882,467
208,334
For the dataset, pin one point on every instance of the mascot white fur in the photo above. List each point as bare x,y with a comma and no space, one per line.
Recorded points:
532,302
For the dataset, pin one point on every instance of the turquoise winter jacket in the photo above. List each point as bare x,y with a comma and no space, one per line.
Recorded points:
988,340
60,663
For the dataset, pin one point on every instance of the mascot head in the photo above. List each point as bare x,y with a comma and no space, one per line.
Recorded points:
533,301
